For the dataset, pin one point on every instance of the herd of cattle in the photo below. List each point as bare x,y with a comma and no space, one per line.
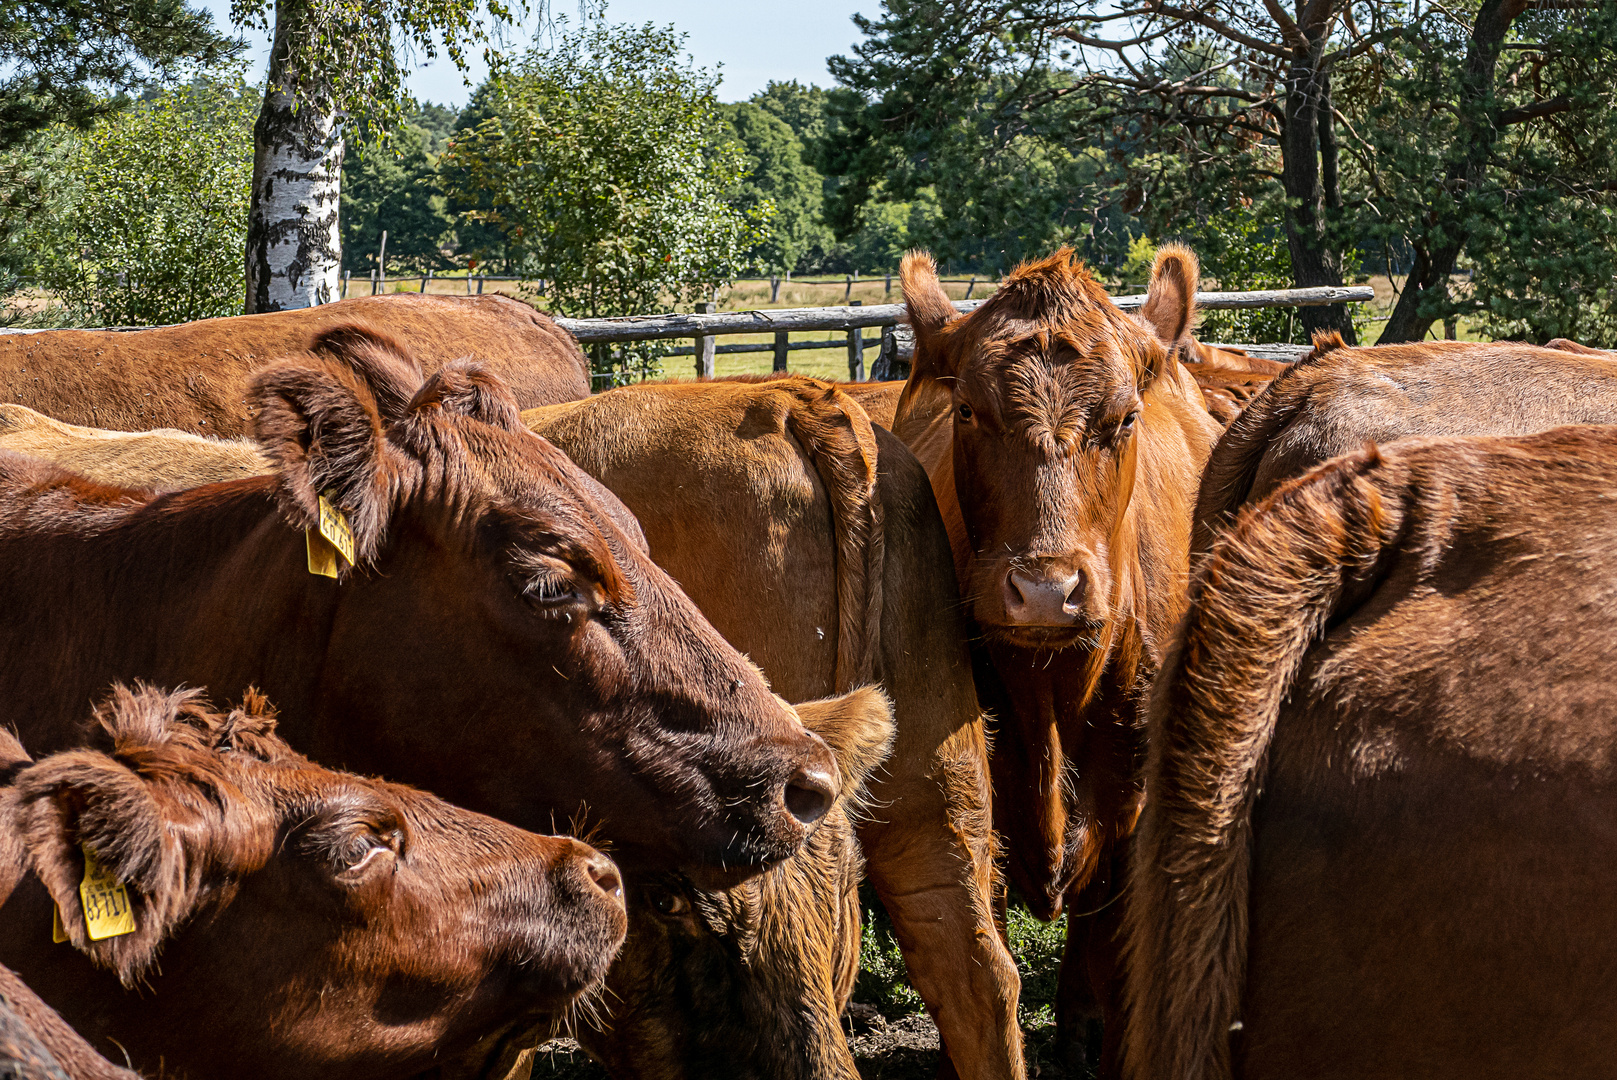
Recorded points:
1298,679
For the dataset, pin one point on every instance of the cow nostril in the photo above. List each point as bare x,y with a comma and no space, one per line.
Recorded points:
1074,601
1033,599
604,873
809,795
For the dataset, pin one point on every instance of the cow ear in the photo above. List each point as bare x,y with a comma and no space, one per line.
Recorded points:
928,311
85,799
1170,303
857,726
323,420
470,389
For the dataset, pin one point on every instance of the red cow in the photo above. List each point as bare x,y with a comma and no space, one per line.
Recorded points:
310,923
503,639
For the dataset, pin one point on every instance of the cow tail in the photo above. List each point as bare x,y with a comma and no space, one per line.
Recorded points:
1262,598
1233,465
838,438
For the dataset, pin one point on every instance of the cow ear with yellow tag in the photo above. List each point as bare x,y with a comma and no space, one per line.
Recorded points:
97,840
323,419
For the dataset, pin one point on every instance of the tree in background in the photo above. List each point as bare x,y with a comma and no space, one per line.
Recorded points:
778,178
74,63
601,166
331,61
150,209
392,185
1488,132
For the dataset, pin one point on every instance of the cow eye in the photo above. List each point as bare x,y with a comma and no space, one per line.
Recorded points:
964,412
550,590
1127,425
668,903
365,850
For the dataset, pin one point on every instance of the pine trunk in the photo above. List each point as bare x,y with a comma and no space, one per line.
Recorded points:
294,249
1309,177
1426,290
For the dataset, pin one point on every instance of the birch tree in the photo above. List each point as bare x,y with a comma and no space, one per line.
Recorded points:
332,61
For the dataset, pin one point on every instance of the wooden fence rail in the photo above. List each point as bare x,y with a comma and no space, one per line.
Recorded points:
703,325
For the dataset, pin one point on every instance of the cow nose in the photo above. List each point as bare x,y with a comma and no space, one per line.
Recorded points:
1043,599
809,794
604,873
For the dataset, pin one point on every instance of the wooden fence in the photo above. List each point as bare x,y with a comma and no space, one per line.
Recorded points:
705,324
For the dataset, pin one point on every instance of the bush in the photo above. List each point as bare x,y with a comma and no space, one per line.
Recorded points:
605,166
151,215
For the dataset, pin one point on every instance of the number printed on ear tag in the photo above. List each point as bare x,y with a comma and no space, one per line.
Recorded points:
334,536
106,902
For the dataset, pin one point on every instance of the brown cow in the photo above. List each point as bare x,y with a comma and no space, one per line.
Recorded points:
791,468
1339,398
496,584
1383,775
813,543
309,922
1064,445
37,1044
751,981
163,460
196,376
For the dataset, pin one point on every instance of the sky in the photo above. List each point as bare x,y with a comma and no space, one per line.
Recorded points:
753,41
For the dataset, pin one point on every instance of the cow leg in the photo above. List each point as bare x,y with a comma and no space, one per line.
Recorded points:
929,854
1089,990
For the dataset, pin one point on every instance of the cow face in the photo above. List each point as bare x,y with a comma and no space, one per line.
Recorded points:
1050,389
310,923
749,981
500,586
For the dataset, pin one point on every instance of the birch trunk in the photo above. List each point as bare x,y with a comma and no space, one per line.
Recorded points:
294,249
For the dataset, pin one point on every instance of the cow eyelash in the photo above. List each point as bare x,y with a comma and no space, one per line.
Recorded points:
550,590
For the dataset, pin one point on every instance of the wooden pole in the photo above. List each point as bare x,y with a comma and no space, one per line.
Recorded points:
480,284
848,292
971,286
856,349
381,258
889,291
345,275
774,289
781,337
424,279
374,285
704,344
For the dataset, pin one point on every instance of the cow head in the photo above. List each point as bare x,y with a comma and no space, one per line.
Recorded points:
1050,387
750,981
535,663
309,922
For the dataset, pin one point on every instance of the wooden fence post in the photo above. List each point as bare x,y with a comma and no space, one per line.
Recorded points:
704,344
856,348
374,285
848,292
424,279
480,278
774,289
345,276
781,337
889,291
972,286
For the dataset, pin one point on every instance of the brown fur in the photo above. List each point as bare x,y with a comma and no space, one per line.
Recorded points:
1044,477
1339,398
36,1044
736,506
288,903
196,376
618,703
751,981
1364,773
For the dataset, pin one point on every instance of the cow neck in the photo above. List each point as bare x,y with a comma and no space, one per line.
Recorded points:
207,587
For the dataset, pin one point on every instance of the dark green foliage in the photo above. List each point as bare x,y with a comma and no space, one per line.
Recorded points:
778,176
72,61
392,184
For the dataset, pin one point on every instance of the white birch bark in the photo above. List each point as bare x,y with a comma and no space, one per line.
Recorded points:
294,249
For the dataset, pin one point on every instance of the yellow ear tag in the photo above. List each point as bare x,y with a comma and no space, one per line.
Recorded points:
58,933
106,902
334,536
